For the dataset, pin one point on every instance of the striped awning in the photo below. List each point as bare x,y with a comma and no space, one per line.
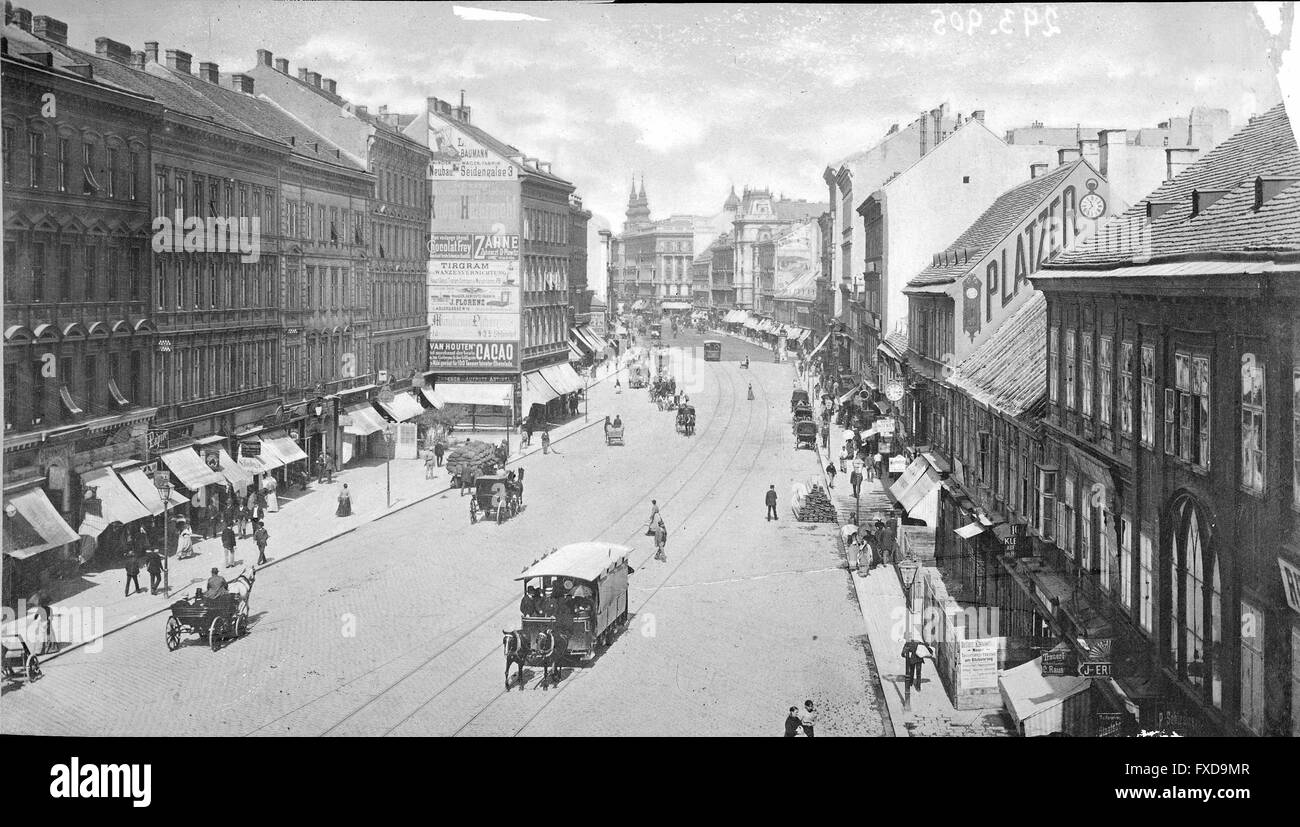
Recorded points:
191,470
285,447
363,420
117,503
35,526
147,493
562,378
433,398
577,339
536,390
403,407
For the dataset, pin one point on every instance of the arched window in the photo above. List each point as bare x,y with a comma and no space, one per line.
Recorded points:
1197,616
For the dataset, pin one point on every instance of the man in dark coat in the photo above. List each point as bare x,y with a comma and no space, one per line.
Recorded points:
132,573
228,542
792,722
770,499
528,606
153,561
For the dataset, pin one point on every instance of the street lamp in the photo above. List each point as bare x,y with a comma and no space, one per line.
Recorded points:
907,570
165,491
389,428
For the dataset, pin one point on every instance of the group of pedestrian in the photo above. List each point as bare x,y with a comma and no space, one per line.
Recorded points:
868,543
324,467
260,537
801,719
433,459
658,530
152,562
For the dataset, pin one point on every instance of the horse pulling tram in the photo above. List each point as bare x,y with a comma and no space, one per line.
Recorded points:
581,604
686,420
214,620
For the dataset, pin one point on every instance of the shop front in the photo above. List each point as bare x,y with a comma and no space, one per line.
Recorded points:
110,510
33,528
199,483
488,401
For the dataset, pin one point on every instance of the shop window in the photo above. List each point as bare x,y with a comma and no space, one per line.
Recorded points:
1253,445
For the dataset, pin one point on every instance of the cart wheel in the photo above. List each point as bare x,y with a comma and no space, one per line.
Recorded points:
237,626
173,634
215,632
33,668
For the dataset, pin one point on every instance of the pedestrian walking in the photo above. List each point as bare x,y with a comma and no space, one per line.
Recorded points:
826,436
153,562
661,540
260,536
830,473
185,542
770,499
428,465
808,718
328,462
546,442
855,480
438,450
751,391
345,503
914,654
228,543
792,722
245,516
528,431
132,573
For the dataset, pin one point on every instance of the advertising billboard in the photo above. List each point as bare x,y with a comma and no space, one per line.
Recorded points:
458,156
456,356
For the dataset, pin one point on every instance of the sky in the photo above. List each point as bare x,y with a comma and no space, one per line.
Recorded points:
697,98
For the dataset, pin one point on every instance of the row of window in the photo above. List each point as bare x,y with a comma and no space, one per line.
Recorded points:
398,357
931,329
545,326
107,268
398,241
187,373
398,188
78,165
202,196
674,268
211,282
546,273
396,300
89,383
547,226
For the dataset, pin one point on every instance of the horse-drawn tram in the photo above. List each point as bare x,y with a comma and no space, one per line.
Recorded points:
575,599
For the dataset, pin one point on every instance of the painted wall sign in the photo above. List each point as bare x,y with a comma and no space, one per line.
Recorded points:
456,155
449,355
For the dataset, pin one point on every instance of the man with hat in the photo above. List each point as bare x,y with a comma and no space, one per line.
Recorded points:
216,586
528,606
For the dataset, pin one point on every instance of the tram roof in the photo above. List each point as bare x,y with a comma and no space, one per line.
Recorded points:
585,561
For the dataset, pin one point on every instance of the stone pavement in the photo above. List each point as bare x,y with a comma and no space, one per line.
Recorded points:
305,520
880,598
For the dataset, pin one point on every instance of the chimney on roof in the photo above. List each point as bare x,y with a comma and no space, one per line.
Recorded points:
304,75
544,166
383,110
49,28
1036,170
178,60
314,79
330,86
264,57
151,51
242,83
137,60
210,72
112,50
1089,150
892,129
22,18
1111,145
1268,186
1067,155
282,65
1179,158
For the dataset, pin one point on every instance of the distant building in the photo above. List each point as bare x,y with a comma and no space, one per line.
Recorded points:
760,218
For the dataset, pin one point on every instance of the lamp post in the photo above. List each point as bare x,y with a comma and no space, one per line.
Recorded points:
165,491
389,428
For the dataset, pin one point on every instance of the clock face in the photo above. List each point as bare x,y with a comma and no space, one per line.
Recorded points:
1092,205
972,293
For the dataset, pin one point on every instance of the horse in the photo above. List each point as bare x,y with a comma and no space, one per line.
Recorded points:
516,648
549,651
242,585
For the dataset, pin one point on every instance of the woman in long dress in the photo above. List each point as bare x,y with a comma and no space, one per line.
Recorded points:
345,503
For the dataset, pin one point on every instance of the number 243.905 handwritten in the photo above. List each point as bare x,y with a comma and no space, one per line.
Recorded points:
1030,20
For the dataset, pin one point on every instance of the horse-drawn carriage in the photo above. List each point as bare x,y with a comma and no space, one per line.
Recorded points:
470,460
614,435
583,603
798,398
224,617
805,434
15,656
802,413
686,420
638,376
496,496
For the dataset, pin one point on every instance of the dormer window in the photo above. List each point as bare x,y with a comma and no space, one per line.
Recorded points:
1202,199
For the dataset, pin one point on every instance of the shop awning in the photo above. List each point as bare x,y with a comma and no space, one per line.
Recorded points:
914,472
403,407
477,393
576,338
820,345
919,490
1027,693
235,474
35,526
265,461
147,493
844,397
434,398
536,390
118,504
675,305
191,470
592,338
751,323
969,530
562,378
363,420
285,447
576,355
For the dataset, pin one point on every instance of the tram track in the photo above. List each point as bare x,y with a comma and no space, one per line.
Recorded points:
485,619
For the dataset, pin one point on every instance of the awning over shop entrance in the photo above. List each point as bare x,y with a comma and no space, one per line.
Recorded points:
969,530
147,493
477,393
847,395
191,470
117,503
403,407
434,398
576,355
363,420
675,306
820,345
285,447
232,471
536,390
266,460
562,378
581,341
1040,704
35,525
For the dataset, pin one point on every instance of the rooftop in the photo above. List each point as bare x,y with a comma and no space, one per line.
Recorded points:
1009,371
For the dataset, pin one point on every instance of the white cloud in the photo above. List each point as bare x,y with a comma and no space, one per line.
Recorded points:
469,13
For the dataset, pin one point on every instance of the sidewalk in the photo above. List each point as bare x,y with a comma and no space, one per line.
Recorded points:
304,521
880,599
